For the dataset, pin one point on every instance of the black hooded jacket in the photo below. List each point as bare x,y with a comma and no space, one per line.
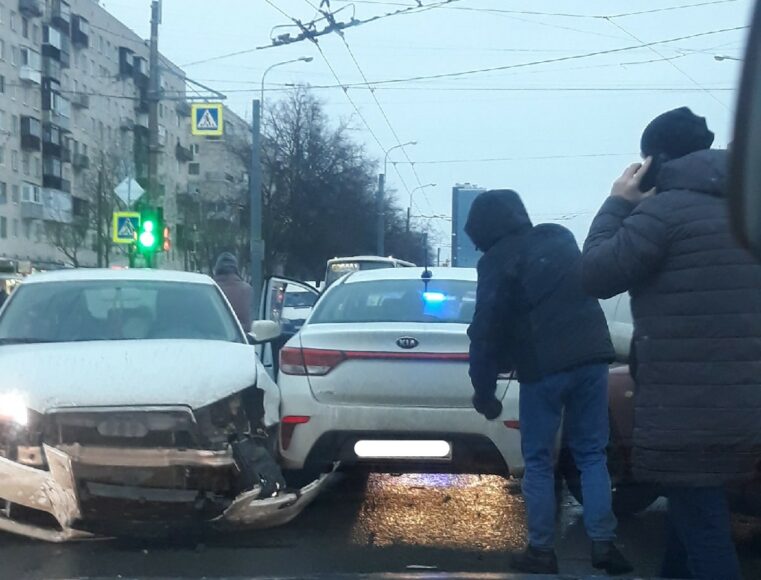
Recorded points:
532,315
696,306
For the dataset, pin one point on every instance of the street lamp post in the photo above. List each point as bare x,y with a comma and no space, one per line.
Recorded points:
409,207
256,244
721,57
380,199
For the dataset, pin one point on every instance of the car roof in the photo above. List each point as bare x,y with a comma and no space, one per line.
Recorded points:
366,259
99,274
466,274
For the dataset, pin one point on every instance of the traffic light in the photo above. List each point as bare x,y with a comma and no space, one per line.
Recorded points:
150,235
167,244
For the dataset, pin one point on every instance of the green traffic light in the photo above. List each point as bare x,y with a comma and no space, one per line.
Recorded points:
147,237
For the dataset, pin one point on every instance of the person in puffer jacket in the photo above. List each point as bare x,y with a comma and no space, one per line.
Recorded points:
532,316
696,306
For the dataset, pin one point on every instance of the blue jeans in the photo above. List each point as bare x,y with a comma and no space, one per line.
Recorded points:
700,538
583,393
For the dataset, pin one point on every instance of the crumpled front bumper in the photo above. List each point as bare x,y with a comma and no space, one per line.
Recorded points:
55,492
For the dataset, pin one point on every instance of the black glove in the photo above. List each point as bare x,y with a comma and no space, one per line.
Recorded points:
489,406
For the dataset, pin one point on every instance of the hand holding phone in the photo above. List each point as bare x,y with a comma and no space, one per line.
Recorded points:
629,185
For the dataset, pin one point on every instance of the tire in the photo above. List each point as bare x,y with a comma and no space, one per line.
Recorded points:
629,498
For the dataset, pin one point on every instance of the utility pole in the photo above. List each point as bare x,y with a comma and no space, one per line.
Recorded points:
154,96
438,257
255,195
380,209
99,214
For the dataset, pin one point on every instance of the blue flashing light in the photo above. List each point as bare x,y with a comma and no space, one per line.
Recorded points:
434,297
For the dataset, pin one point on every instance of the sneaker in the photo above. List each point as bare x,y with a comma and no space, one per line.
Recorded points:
535,561
606,556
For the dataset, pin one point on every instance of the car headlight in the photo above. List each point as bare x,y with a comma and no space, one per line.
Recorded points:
13,409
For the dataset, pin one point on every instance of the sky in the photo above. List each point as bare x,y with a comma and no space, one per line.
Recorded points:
558,132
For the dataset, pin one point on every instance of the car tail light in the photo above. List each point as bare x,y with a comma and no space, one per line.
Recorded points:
309,361
510,424
288,426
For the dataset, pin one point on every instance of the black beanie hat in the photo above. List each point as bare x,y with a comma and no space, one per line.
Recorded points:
675,134
227,263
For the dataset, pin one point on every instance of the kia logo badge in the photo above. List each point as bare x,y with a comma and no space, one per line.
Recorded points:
407,342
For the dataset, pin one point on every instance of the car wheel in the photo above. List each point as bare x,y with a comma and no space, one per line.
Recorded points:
629,498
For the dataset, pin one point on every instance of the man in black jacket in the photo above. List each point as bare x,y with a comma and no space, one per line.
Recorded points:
532,316
696,306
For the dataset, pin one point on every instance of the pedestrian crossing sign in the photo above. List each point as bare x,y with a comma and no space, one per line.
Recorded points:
125,227
207,119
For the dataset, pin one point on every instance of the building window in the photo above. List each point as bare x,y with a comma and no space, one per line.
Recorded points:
31,193
2,155
3,228
2,122
194,169
3,193
14,160
26,226
15,228
24,27
2,85
35,33
25,163
196,147
14,24
14,55
36,165
2,49
15,194
14,125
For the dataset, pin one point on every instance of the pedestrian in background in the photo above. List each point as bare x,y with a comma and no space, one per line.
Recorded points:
532,316
239,292
696,305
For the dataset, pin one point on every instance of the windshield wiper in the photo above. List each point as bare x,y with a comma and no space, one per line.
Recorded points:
24,340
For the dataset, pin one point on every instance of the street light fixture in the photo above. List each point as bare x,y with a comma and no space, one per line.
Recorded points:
409,207
721,57
380,201
264,76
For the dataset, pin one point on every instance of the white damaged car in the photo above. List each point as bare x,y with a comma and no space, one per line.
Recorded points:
135,397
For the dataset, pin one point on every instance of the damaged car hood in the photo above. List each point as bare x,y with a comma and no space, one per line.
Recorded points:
130,372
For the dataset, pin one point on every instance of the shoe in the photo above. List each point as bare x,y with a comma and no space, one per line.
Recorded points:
535,561
606,556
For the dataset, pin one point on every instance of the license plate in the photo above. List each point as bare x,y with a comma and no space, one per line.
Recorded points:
403,449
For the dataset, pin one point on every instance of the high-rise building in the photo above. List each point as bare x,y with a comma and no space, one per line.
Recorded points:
73,107
464,253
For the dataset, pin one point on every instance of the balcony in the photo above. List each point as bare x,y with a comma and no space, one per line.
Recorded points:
30,74
57,206
126,57
183,154
31,133
140,71
65,155
81,161
80,100
56,118
80,31
183,109
51,69
142,120
126,124
31,210
60,15
31,8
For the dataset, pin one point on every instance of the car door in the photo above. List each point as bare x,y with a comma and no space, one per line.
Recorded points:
619,316
287,302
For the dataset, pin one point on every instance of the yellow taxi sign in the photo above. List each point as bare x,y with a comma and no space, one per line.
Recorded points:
206,119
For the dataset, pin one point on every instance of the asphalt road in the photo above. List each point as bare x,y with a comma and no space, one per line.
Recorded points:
382,524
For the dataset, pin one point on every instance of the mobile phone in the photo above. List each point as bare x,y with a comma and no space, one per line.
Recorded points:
649,179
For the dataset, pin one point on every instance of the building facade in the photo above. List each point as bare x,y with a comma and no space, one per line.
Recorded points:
464,253
74,121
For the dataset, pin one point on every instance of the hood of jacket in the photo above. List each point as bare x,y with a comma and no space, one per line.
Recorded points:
494,215
703,172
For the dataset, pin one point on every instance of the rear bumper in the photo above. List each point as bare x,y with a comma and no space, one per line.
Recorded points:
55,491
331,430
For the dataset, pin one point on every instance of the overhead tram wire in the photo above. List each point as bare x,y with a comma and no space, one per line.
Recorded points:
386,118
350,99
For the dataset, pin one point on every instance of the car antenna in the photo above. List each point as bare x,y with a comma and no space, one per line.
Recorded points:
427,274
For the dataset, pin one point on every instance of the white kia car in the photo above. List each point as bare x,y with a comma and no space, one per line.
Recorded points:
134,397
378,375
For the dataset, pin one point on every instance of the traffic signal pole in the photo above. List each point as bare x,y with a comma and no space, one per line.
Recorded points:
154,96
256,244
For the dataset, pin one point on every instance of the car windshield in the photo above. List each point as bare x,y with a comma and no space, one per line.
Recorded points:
116,310
299,300
398,301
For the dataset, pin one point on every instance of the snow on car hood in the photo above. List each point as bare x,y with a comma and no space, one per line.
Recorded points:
130,372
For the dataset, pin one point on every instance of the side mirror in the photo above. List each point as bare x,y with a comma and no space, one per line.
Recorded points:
264,331
744,185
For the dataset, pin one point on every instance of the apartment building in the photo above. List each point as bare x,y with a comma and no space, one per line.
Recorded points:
73,99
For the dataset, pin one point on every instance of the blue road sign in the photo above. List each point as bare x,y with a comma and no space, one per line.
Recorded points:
125,227
207,119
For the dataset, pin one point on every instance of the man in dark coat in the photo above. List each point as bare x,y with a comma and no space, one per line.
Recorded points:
532,316
696,306
239,293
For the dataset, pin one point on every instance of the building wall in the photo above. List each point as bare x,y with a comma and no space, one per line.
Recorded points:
103,113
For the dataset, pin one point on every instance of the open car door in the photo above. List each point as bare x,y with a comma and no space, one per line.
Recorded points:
289,303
